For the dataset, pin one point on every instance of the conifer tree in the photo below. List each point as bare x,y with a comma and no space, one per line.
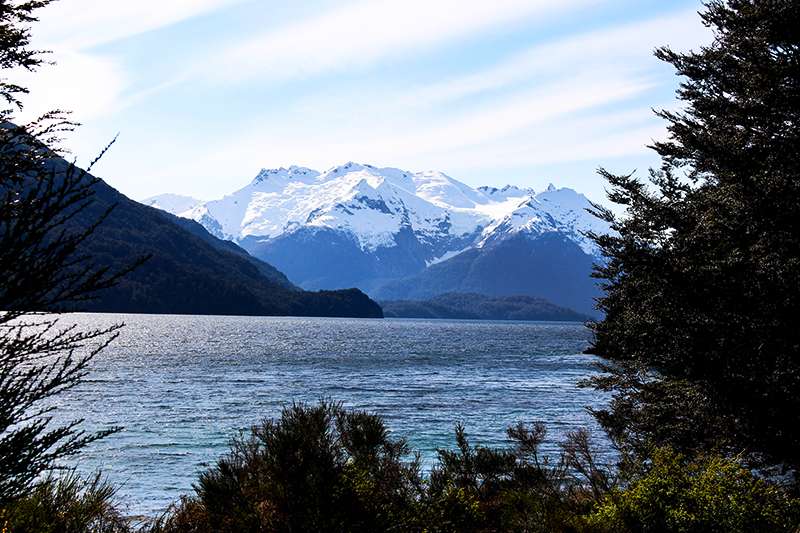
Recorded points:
42,269
702,283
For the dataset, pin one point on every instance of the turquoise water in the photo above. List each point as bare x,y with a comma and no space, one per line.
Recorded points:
183,385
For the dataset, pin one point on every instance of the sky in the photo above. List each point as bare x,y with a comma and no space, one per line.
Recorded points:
205,93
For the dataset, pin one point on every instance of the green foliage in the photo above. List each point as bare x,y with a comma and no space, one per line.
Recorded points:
474,488
701,289
68,504
708,494
322,468
317,468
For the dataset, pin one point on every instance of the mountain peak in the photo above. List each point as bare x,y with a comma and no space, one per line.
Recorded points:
561,195
293,172
359,225
506,192
350,166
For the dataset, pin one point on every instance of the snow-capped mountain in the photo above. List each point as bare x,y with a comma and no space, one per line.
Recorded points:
373,205
359,225
561,211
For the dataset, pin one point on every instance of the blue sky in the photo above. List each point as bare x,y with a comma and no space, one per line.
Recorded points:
204,93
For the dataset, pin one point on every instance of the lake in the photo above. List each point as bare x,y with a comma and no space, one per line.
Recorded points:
182,386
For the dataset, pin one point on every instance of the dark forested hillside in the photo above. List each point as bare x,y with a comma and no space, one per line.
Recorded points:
192,272
479,306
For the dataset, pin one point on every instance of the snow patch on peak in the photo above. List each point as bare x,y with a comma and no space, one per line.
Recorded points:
346,168
444,191
445,256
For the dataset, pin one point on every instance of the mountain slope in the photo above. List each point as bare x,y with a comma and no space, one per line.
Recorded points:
480,307
549,266
191,272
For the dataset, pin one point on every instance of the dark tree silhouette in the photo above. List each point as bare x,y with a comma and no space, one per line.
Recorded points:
42,270
701,285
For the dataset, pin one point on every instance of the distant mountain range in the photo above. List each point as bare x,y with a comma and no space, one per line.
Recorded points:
404,235
191,271
480,307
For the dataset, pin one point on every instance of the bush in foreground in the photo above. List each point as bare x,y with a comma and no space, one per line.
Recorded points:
475,488
323,468
67,504
707,494
318,468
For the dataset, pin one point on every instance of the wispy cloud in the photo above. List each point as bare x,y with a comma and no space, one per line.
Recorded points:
598,136
545,122
543,104
361,33
81,24
89,84
627,45
538,114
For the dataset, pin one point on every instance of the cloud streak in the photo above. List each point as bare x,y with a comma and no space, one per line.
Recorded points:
82,24
627,44
89,84
537,110
544,123
362,33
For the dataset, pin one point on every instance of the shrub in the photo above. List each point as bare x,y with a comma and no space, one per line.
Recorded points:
322,468
474,488
317,468
68,504
708,494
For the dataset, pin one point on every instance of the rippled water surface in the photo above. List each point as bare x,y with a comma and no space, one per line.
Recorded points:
183,385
